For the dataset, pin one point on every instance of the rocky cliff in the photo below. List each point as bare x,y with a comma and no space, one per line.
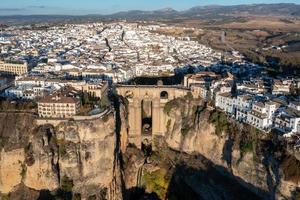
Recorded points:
203,155
248,155
72,159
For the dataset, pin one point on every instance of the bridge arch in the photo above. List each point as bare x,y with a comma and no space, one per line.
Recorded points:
146,116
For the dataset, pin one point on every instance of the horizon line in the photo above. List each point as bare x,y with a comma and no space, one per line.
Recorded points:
143,10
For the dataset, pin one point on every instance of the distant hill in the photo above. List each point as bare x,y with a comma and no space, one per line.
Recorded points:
200,12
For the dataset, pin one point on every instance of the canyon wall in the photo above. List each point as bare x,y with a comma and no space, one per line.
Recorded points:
80,155
191,131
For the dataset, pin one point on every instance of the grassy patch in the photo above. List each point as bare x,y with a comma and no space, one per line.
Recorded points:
157,182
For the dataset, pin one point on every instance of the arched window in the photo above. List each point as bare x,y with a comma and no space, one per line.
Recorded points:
164,95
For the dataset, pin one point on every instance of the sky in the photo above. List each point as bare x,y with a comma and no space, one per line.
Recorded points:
83,7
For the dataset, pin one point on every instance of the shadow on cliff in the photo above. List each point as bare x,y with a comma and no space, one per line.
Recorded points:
193,177
60,194
192,183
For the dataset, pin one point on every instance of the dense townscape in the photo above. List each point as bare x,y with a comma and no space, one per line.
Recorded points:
154,100
64,68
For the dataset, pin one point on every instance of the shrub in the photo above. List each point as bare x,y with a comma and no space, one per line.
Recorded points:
246,147
189,96
171,104
167,108
3,142
168,125
185,129
105,118
62,147
104,102
220,121
23,170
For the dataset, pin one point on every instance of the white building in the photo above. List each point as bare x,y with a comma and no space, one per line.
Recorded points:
226,102
288,120
261,115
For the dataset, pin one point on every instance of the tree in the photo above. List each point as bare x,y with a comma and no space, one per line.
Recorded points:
104,102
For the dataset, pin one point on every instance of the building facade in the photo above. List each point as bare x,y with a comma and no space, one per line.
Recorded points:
55,106
13,68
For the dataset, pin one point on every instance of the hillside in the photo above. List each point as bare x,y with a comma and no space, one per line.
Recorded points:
199,12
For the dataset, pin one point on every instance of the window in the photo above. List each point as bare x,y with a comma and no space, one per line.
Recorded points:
164,95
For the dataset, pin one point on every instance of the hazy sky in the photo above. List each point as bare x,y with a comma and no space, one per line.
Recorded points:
78,7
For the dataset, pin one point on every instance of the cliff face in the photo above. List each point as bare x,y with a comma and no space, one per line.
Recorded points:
79,154
191,131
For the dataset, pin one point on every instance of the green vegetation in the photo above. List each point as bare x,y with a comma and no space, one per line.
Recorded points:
249,141
23,171
188,96
185,129
171,104
105,118
3,142
66,184
29,159
297,195
11,105
89,101
246,147
220,121
168,125
4,197
104,102
62,147
157,182
126,103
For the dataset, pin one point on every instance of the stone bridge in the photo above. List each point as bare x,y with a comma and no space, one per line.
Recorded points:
147,119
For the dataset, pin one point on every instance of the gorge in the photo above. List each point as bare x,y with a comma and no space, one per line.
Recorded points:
203,155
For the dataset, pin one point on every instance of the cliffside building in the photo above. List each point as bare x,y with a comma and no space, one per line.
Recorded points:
56,106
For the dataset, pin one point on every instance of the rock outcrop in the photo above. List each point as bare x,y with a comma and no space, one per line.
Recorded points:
257,171
81,151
